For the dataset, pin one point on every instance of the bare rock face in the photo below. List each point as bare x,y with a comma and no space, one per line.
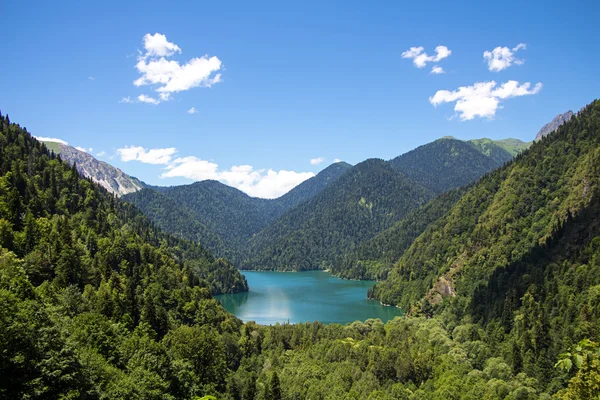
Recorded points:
554,124
111,178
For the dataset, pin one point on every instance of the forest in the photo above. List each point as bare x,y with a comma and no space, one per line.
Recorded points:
502,293
320,221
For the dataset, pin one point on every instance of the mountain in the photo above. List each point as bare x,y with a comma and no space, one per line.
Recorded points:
311,187
497,149
64,226
554,124
374,258
505,216
513,146
221,217
111,178
82,273
368,198
519,253
177,219
449,163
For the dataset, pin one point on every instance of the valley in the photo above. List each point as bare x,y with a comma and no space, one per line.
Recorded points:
492,276
299,201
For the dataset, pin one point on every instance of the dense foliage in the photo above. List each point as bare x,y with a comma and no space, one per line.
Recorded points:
220,217
68,230
449,163
177,219
374,258
365,200
301,230
520,251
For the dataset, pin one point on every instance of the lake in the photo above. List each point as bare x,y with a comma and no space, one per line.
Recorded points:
304,296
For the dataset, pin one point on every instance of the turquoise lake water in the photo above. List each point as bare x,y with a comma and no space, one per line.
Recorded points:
304,297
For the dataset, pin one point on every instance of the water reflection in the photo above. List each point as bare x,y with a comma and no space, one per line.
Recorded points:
304,296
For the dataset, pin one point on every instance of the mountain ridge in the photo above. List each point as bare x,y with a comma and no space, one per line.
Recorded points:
106,175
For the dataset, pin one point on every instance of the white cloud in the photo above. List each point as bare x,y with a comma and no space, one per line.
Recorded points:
81,149
257,183
169,76
192,110
337,160
101,154
147,99
502,57
437,70
50,139
126,100
91,78
316,161
483,98
152,156
420,58
158,45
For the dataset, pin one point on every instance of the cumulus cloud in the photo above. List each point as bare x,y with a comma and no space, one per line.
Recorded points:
483,98
50,139
101,154
81,149
168,76
91,78
152,156
420,58
126,100
142,98
502,57
337,160
258,183
437,70
158,45
316,161
192,110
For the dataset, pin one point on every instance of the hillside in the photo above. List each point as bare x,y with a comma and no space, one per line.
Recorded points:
109,177
365,200
221,217
311,187
374,258
516,257
449,163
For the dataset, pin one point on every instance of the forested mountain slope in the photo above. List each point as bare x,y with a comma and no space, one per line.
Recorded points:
109,177
374,258
64,226
506,214
519,250
448,163
221,217
311,187
225,212
177,219
365,200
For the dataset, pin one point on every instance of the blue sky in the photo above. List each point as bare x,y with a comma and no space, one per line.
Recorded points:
297,81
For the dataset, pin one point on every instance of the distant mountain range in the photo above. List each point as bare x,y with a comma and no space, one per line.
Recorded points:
333,220
110,178
331,214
